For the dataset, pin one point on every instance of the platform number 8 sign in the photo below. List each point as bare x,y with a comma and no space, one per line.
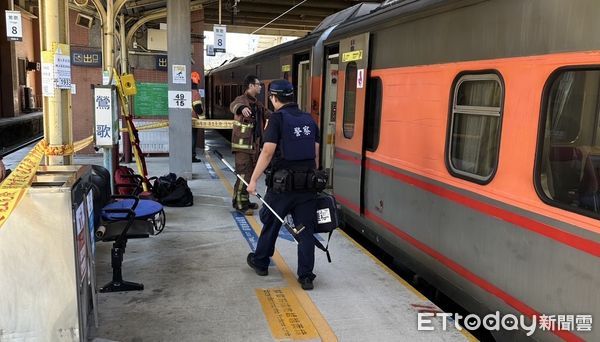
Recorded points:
220,32
14,29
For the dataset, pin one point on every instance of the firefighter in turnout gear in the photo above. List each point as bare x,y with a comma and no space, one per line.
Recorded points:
196,111
251,118
291,152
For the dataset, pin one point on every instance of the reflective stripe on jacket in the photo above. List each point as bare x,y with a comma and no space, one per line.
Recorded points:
244,137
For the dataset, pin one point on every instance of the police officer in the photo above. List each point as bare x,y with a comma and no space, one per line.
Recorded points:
246,138
291,151
196,111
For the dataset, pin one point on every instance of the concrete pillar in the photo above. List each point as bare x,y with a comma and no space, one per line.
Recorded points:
197,26
58,122
180,127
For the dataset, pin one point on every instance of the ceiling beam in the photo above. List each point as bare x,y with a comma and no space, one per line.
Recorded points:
329,4
275,9
264,19
266,31
295,25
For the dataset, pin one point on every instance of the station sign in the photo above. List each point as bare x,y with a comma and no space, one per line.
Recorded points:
105,116
86,58
14,26
162,62
180,99
286,67
220,32
352,56
210,50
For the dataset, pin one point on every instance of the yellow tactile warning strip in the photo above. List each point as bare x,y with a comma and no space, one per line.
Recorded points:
323,329
285,316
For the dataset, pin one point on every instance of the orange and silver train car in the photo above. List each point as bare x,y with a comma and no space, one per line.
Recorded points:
464,139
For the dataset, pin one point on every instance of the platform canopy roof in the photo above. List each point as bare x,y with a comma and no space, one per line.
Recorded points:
241,16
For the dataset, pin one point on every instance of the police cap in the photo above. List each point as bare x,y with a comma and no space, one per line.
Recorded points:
281,88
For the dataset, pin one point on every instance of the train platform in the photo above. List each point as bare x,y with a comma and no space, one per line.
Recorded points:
198,286
18,130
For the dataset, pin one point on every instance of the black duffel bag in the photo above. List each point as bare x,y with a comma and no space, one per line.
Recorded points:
164,185
171,191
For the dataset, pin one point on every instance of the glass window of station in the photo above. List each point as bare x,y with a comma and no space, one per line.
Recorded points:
474,132
568,163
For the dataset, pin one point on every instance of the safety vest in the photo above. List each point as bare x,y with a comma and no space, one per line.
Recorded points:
298,134
246,134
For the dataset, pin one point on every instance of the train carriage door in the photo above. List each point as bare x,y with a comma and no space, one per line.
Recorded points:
330,89
210,96
349,151
286,67
303,96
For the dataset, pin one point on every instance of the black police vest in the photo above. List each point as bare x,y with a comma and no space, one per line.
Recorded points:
298,135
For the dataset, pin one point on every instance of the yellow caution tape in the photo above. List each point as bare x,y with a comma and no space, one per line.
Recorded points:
159,124
212,124
16,184
66,150
196,123
83,143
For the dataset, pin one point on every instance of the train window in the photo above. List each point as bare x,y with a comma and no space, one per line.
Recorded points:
373,113
475,127
218,95
261,96
226,95
568,164
350,100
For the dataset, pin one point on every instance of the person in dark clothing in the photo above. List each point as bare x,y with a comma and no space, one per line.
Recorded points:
291,147
251,117
196,111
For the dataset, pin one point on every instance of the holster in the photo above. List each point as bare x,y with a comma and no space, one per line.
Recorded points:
286,180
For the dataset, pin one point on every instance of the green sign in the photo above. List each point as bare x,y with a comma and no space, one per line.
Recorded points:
151,99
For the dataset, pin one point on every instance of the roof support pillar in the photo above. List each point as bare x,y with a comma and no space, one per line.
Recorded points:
58,122
179,52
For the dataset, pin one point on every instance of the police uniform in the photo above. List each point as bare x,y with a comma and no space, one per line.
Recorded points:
295,133
246,138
